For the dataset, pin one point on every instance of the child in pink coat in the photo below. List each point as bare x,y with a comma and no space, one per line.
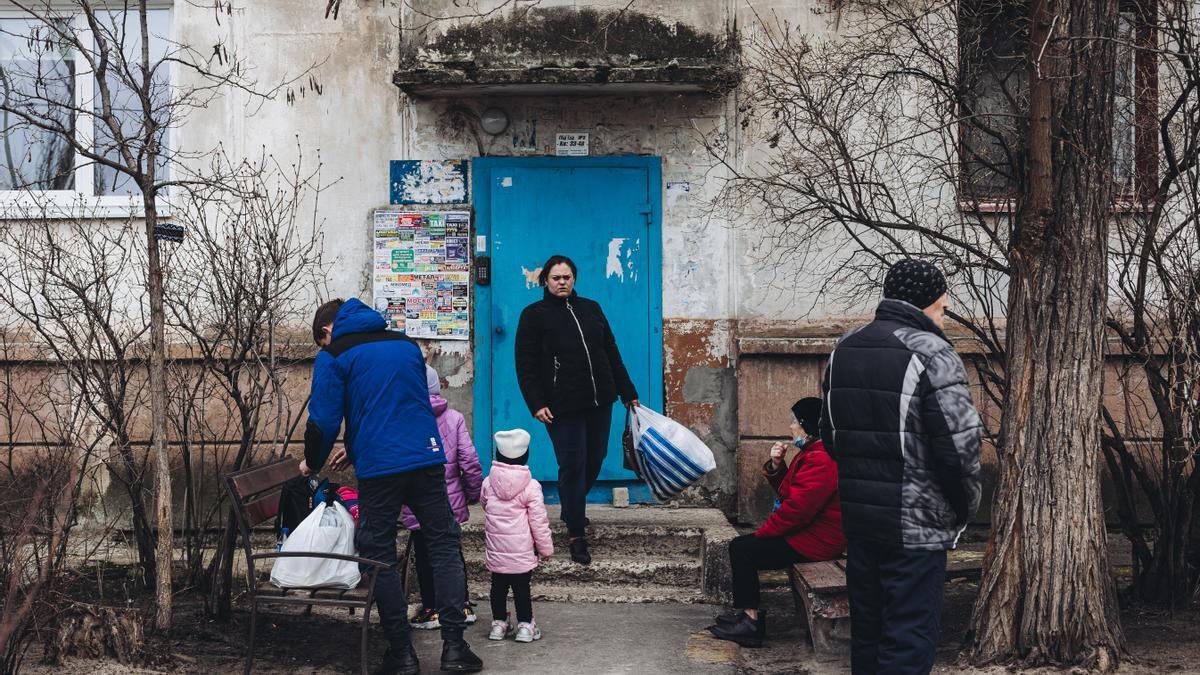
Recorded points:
517,534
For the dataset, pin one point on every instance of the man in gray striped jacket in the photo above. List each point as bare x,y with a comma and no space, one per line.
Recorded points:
899,421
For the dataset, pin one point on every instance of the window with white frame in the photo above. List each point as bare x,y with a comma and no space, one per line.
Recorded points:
53,104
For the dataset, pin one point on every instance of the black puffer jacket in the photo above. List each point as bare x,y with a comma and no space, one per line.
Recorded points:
567,358
899,421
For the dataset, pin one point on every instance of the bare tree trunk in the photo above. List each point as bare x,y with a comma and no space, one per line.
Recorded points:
158,361
1047,596
158,415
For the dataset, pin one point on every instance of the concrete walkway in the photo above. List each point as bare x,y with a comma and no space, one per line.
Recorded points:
599,638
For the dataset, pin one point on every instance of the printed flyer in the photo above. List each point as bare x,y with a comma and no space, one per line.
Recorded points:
422,272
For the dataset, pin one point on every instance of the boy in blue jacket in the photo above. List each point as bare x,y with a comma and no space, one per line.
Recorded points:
375,379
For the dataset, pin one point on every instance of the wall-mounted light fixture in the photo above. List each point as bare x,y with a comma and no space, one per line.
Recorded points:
493,121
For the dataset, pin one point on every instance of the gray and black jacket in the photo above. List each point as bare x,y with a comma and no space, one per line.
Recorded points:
899,421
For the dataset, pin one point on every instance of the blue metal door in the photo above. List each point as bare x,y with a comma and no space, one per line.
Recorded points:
604,214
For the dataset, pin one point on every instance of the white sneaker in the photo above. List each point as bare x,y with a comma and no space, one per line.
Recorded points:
500,630
528,632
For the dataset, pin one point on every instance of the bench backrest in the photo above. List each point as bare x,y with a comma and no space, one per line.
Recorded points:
255,494
255,491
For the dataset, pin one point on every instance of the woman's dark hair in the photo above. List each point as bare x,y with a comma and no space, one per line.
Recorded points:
325,316
556,260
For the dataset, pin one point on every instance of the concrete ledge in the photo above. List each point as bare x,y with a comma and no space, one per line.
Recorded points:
717,576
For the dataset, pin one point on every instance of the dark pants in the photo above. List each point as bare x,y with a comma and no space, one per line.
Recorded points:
747,555
380,501
425,570
580,444
522,596
895,607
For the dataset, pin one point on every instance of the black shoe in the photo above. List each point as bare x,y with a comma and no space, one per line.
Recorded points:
579,551
746,632
728,619
737,614
457,657
405,664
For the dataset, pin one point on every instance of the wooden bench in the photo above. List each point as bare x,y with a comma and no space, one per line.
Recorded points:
255,494
819,589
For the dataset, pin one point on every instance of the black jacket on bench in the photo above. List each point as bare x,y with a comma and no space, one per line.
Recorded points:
899,420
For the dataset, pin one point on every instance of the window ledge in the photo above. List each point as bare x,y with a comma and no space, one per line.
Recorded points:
1009,206
995,206
63,205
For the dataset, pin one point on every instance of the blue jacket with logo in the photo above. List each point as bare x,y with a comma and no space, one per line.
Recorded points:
375,379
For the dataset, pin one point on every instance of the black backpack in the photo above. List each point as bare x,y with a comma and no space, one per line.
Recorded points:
298,498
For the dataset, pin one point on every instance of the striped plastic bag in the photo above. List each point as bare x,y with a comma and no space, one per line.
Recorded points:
669,456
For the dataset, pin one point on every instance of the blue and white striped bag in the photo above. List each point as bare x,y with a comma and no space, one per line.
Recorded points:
670,458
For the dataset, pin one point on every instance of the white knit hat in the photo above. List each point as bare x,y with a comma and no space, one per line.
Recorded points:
512,444
432,382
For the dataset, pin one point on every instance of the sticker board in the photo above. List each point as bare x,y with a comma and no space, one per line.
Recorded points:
422,272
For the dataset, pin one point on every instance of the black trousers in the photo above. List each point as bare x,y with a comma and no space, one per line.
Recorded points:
380,501
425,570
580,445
895,607
747,555
522,596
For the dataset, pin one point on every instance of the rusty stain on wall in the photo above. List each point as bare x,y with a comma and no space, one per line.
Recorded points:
700,392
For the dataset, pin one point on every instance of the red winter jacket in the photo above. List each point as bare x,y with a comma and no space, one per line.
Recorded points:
810,515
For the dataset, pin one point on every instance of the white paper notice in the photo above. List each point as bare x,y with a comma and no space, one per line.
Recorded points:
571,145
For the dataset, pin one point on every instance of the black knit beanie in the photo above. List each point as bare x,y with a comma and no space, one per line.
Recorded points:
916,282
807,412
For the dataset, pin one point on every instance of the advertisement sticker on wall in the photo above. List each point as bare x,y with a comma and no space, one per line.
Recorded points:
422,272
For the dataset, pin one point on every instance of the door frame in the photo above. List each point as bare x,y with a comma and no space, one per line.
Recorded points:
483,172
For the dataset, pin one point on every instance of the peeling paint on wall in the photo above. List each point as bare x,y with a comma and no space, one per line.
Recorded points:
701,392
428,181
531,277
613,266
619,262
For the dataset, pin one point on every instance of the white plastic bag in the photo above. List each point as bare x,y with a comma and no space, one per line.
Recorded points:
328,529
670,457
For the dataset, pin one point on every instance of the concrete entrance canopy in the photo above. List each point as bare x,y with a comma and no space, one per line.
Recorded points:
567,51
446,82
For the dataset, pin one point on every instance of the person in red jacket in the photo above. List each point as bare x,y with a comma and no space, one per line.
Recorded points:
806,525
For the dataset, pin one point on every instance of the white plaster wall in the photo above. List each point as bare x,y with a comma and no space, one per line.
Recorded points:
353,125
816,282
713,265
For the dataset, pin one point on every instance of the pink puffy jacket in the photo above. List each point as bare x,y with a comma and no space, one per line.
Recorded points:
514,520
463,473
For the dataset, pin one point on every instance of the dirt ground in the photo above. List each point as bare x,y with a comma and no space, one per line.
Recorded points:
1158,642
326,643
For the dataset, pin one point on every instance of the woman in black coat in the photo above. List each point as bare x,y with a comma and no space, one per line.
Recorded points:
570,374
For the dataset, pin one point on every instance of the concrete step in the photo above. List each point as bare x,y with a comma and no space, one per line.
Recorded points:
604,572
612,539
613,593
